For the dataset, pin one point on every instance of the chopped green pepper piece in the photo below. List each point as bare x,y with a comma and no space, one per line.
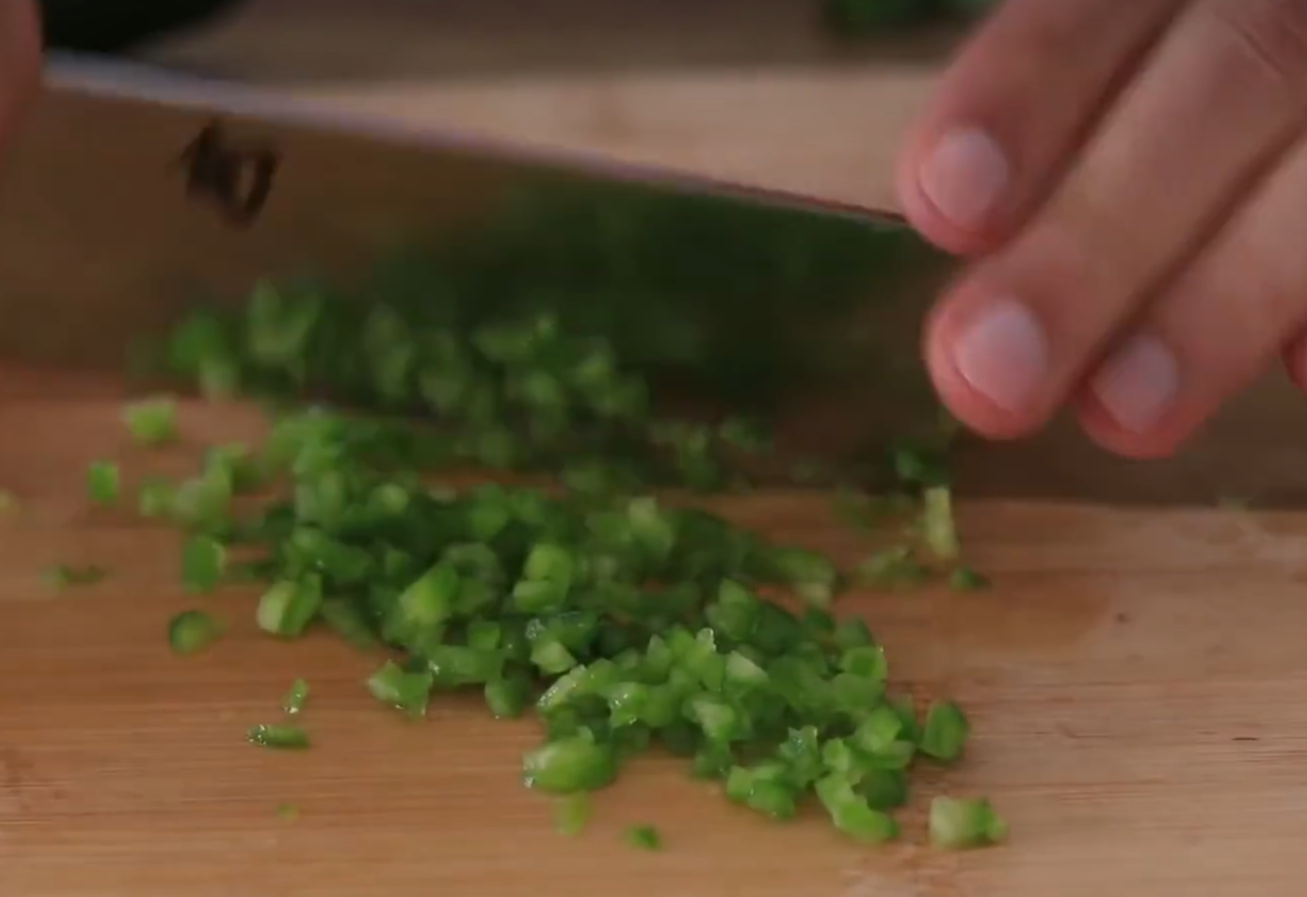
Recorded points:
572,812
156,498
405,689
279,737
965,579
644,837
852,814
575,763
937,523
204,560
891,567
60,576
296,698
152,422
960,823
288,607
103,482
944,732
191,631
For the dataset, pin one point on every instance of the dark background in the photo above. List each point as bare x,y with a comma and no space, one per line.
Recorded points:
116,26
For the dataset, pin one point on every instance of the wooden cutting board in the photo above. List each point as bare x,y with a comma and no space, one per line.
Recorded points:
1135,677
1135,680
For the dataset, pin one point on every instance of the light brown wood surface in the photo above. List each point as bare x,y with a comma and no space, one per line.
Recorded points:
1135,681
1136,677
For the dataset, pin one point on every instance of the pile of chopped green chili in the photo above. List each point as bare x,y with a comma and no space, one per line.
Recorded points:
620,619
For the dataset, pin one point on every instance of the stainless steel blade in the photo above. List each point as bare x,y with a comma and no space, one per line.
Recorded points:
132,194
135,194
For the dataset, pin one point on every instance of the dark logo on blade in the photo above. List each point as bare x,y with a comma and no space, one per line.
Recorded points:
236,179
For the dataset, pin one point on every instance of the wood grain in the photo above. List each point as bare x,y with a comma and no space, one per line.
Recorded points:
1135,677
1134,680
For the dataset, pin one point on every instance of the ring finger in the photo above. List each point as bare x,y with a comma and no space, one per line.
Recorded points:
1215,329
1221,95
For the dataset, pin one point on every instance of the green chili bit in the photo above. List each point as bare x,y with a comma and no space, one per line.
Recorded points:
961,823
152,422
618,620
572,813
191,631
296,698
61,576
203,561
965,579
644,837
279,737
103,482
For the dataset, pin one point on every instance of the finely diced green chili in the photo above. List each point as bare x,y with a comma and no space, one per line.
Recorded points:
937,523
891,567
103,482
960,823
349,622
408,690
296,697
191,631
852,814
617,617
278,737
944,732
572,813
288,812
576,763
288,607
61,576
9,503
156,498
644,837
204,559
965,579
152,422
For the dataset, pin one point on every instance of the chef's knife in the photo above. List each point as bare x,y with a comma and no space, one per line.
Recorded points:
134,194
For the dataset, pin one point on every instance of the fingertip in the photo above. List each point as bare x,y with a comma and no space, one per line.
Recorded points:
1100,426
959,393
925,214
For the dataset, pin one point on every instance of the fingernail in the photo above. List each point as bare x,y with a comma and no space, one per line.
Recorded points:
1138,383
1003,354
965,177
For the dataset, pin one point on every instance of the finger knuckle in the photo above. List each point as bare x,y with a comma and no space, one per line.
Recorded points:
1265,39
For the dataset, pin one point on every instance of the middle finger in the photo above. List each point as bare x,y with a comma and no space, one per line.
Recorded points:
1220,97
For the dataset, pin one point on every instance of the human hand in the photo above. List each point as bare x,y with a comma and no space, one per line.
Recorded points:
20,61
1129,180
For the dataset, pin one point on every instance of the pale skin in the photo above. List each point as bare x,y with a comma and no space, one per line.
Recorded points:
1129,181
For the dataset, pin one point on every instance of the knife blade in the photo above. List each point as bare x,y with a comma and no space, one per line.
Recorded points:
135,194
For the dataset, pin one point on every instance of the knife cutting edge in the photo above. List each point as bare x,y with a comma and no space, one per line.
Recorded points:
169,187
